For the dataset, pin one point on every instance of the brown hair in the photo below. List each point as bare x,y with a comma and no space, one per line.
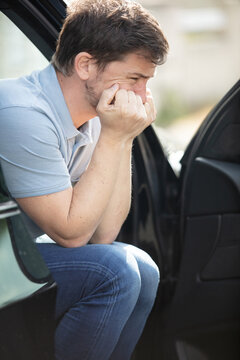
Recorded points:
108,30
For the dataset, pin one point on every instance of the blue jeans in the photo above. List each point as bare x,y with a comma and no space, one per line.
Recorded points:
105,294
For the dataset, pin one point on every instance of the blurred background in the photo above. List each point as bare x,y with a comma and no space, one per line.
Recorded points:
203,62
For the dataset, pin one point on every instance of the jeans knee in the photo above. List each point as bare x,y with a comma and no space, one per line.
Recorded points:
149,273
127,273
150,281
138,273
152,274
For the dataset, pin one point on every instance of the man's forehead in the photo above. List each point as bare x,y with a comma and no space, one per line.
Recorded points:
131,65
139,64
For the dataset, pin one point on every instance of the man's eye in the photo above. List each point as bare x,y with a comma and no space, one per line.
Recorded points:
135,79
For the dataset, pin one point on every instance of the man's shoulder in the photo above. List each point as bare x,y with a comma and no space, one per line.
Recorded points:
23,105
21,92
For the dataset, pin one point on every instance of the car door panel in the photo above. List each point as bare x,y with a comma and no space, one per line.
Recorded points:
204,314
216,187
27,291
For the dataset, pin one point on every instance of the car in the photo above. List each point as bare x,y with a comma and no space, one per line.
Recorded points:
189,224
27,291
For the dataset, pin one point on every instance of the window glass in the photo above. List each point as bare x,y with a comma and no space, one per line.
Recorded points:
26,252
18,55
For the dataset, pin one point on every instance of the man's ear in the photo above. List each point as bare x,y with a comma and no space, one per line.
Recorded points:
83,63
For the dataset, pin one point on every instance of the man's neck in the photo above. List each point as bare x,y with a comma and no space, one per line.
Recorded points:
73,92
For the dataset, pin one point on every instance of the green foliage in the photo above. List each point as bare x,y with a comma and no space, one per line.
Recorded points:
173,107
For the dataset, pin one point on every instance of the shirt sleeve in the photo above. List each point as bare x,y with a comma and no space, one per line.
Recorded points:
30,155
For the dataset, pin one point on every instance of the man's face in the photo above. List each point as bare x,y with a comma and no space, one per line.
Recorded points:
131,73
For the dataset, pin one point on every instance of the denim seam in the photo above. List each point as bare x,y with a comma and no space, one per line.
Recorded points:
105,315
83,265
112,300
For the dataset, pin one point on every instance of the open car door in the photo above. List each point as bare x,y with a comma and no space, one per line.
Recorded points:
202,320
27,291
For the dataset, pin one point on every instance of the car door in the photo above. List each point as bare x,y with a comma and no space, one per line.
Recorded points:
27,292
204,313
201,320
197,313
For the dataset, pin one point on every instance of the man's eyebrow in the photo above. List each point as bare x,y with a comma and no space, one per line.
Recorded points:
139,75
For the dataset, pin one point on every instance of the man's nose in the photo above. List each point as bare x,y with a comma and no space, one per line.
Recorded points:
142,91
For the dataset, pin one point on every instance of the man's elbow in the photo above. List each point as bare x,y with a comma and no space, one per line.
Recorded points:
70,240
106,237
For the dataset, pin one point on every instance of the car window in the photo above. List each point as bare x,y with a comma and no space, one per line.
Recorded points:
18,55
26,252
27,256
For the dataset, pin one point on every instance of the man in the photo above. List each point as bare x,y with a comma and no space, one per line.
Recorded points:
71,127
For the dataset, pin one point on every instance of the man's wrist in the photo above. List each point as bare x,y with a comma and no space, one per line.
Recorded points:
114,141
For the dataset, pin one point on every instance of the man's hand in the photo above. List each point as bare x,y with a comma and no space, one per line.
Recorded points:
122,113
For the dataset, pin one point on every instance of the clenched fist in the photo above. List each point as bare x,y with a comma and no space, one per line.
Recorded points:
122,113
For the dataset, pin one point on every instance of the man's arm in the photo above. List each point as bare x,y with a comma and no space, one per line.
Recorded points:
119,204
71,217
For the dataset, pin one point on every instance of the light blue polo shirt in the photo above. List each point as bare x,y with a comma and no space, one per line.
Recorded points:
41,152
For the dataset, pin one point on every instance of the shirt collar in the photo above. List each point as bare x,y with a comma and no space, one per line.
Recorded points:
50,85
